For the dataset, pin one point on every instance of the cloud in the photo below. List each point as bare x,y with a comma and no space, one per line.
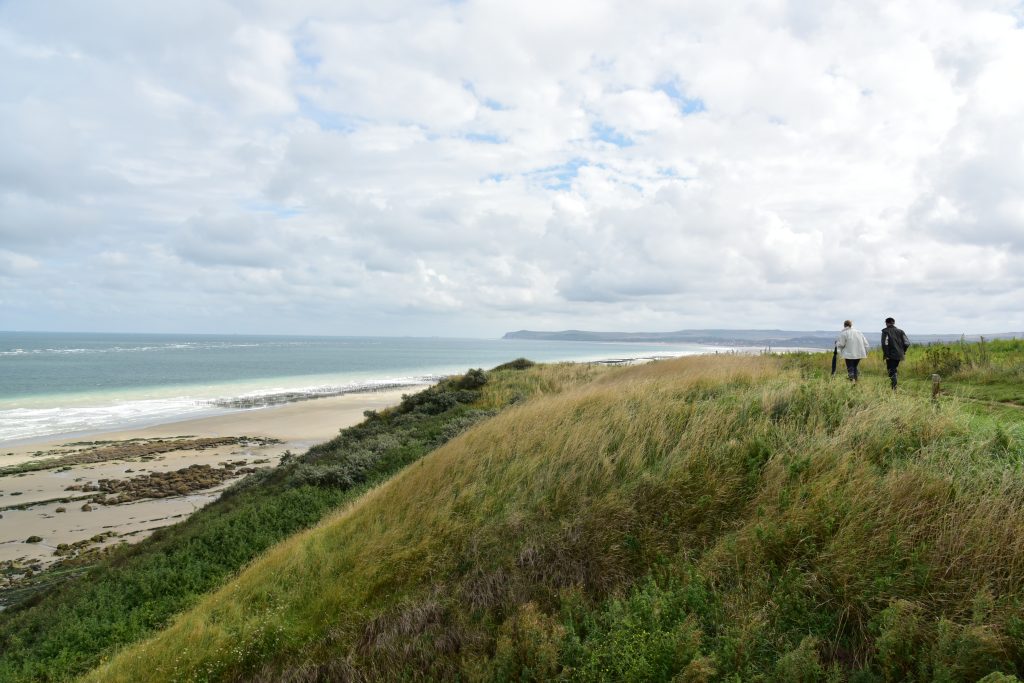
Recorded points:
467,168
260,68
13,263
975,188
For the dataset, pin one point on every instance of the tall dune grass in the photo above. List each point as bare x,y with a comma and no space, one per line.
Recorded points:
704,518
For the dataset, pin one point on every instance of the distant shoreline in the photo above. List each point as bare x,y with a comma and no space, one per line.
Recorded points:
788,339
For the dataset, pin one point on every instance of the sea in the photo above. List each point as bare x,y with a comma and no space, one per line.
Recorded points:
62,384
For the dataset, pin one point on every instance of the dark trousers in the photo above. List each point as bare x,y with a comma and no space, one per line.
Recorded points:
851,368
892,365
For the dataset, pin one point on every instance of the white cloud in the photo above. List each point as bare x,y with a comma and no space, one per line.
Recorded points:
472,167
260,69
13,263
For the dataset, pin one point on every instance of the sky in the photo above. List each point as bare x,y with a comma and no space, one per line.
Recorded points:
466,168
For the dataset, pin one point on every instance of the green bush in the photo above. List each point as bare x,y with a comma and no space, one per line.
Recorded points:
942,359
800,665
650,635
899,640
517,364
473,379
527,646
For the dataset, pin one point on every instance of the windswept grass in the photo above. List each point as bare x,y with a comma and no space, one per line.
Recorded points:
721,518
68,629
517,382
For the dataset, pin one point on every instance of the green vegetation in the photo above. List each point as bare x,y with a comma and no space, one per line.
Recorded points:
989,371
986,371
717,518
704,519
68,629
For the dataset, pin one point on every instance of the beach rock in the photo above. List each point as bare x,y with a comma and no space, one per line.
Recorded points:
34,539
61,509
143,449
166,484
82,548
87,508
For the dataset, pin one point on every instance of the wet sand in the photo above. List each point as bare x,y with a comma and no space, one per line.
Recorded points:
296,426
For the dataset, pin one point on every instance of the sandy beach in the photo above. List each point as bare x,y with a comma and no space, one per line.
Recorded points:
38,503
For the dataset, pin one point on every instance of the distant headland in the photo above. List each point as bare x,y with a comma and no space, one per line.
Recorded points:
815,339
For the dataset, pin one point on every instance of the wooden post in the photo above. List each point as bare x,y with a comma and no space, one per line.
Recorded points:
936,387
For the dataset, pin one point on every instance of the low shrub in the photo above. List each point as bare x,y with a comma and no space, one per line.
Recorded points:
473,379
517,364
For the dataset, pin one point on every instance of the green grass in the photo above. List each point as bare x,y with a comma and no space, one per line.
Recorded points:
704,519
64,631
987,371
722,518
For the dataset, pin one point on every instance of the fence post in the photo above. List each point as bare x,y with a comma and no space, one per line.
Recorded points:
936,387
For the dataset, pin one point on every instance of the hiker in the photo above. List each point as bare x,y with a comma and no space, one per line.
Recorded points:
853,347
894,348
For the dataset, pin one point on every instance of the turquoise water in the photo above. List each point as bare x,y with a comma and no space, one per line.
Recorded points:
62,383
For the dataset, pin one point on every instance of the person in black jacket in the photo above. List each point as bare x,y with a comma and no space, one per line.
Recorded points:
894,348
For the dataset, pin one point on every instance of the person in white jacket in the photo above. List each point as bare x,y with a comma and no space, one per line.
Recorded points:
853,346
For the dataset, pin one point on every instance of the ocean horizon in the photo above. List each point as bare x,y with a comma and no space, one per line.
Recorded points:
56,384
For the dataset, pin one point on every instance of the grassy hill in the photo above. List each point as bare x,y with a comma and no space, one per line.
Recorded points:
63,627
715,518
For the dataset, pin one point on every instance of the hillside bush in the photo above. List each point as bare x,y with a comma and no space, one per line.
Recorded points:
942,359
517,364
473,379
